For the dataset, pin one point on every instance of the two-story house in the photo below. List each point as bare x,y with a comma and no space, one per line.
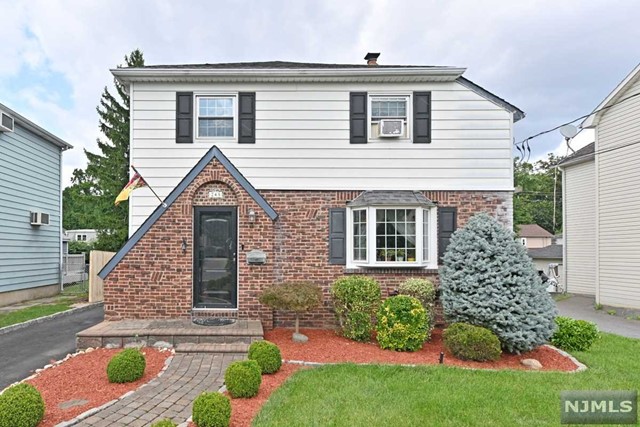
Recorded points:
286,171
30,209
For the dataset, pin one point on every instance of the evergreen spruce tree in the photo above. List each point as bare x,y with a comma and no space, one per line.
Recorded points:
108,171
489,280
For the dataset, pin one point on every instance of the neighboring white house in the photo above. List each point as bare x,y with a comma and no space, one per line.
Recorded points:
533,236
602,202
82,235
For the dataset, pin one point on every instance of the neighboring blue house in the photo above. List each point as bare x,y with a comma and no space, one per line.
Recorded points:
30,209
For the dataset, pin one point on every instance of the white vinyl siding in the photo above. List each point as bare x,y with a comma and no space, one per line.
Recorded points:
619,203
302,142
580,228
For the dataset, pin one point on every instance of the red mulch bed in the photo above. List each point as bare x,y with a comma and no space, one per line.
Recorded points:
85,377
244,410
325,346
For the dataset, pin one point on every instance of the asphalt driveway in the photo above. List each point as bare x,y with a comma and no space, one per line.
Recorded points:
24,350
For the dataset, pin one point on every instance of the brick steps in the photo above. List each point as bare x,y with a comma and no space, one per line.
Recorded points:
213,348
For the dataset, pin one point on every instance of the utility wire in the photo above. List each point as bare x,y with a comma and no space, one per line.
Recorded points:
525,142
604,150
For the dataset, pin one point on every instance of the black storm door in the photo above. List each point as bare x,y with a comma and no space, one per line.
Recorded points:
215,280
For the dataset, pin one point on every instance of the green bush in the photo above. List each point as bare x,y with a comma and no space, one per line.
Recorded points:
243,378
402,324
211,409
469,342
268,356
126,366
21,406
164,423
355,300
574,335
297,297
425,292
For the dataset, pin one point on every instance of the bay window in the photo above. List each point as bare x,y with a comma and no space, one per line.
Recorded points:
392,236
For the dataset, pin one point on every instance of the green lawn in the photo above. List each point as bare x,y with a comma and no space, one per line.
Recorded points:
34,312
351,395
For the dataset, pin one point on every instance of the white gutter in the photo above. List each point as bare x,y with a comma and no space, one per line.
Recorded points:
34,128
150,74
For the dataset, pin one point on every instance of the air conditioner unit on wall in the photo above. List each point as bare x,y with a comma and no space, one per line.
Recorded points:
391,128
39,218
6,122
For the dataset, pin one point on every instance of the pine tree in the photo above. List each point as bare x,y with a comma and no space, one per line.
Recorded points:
489,280
108,171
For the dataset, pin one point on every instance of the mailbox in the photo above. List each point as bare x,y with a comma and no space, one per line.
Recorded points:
257,257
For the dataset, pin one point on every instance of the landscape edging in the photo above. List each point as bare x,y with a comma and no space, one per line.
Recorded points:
17,326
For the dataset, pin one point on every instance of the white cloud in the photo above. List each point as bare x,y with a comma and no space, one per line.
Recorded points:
555,60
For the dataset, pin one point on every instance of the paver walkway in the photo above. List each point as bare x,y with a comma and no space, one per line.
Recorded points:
582,307
169,396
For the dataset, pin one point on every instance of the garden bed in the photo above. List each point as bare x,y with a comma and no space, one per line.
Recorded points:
324,346
84,378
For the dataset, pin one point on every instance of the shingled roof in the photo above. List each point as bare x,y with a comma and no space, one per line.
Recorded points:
585,153
548,252
532,230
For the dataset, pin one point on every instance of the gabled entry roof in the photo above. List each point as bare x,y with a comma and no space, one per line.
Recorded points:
213,153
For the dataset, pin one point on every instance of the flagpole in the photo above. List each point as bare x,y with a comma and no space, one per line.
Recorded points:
164,205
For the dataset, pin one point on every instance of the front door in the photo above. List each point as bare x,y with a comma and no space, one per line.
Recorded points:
215,268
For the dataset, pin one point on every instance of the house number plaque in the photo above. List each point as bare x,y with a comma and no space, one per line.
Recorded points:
216,194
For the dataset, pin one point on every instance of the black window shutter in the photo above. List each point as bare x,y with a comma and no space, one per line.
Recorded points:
337,236
447,224
247,118
184,117
422,117
358,117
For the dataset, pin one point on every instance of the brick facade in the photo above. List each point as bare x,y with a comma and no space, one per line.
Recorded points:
154,279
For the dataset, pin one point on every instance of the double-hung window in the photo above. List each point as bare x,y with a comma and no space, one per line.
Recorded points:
217,116
392,236
390,108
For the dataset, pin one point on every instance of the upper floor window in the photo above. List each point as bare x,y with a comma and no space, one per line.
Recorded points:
389,116
81,237
216,116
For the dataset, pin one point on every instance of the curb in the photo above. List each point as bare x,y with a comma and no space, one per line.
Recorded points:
92,411
71,311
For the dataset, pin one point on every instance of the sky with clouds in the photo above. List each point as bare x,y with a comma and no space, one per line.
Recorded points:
556,60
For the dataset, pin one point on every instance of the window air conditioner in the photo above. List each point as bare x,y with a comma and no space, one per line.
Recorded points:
391,128
39,218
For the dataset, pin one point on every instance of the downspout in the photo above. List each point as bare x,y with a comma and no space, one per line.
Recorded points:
60,265
564,229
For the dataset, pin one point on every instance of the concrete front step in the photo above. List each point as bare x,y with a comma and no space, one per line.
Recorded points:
171,332
213,348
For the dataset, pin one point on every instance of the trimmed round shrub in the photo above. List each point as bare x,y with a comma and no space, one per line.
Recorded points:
126,366
574,335
267,354
164,423
211,409
469,342
21,406
402,324
487,279
355,300
243,378
425,292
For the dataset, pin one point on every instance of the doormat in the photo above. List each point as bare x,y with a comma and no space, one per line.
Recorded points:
213,321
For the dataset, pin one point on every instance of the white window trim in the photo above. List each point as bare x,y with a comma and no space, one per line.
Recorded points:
431,263
196,115
409,125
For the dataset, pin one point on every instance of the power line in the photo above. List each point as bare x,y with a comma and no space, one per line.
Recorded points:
526,140
604,150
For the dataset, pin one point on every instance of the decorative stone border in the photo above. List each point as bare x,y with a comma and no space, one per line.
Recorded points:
69,312
580,366
89,412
